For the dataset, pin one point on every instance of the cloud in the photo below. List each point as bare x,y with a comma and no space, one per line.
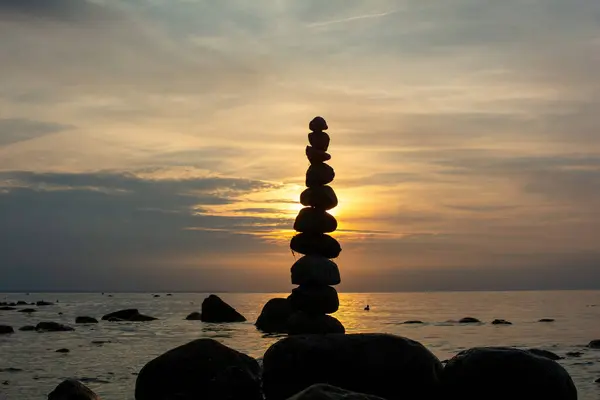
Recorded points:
14,130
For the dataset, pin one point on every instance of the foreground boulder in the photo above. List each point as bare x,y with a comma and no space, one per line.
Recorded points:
322,391
216,310
86,320
274,316
5,329
131,315
388,366
202,369
500,373
72,389
52,327
546,354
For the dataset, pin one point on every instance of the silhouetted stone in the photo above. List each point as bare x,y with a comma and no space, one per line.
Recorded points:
22,303
575,354
194,316
44,303
318,124
7,308
71,389
216,310
317,245
312,220
597,380
86,320
28,310
319,175
315,299
413,322
52,327
27,328
316,156
594,344
546,320
321,197
497,373
301,323
5,329
62,350
501,322
130,315
384,365
274,316
315,270
156,295
469,320
319,140
323,391
546,354
202,369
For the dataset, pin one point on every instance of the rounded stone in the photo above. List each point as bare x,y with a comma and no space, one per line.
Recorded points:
313,220
319,140
301,323
315,270
316,156
318,245
322,197
318,124
315,300
319,175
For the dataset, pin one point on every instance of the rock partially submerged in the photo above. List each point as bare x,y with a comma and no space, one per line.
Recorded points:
469,320
72,389
383,365
500,373
202,369
130,315
43,303
274,316
501,322
194,316
302,323
27,328
5,329
52,327
594,344
216,310
546,320
86,320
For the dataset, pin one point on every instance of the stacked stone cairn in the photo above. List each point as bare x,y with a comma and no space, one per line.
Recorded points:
315,273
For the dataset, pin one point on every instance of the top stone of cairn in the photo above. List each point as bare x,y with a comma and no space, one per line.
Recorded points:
318,124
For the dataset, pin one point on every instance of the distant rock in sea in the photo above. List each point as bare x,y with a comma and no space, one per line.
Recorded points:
27,328
501,322
5,329
63,350
28,310
71,389
130,315
216,310
413,322
194,316
52,327
546,320
44,303
469,320
86,320
594,344
7,308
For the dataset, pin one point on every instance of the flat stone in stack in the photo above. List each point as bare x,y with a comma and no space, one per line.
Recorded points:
319,175
311,270
314,220
316,156
321,197
314,299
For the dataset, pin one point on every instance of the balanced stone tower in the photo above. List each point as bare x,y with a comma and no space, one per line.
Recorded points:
315,272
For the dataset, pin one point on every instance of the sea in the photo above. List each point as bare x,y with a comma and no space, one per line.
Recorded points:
107,356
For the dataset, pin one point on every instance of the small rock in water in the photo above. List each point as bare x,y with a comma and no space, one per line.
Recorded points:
194,316
27,328
597,380
546,320
72,389
5,383
216,310
131,315
545,353
11,369
469,320
594,344
274,316
5,329
413,322
28,310
7,308
22,303
157,295
169,294
86,320
63,350
501,322
574,354
43,303
52,327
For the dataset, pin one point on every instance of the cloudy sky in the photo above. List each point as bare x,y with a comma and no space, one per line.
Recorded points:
159,144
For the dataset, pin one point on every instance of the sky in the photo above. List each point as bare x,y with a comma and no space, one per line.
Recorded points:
151,145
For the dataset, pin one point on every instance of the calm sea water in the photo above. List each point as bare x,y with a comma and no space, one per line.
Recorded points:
30,368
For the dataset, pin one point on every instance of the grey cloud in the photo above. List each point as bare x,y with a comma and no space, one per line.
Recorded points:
13,130
59,10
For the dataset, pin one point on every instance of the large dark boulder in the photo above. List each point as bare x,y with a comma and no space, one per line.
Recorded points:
72,389
319,175
130,314
274,316
202,369
319,140
323,391
316,156
500,373
321,197
546,354
216,310
316,245
5,329
314,299
388,366
52,327
318,124
594,344
86,320
315,270
302,323
313,220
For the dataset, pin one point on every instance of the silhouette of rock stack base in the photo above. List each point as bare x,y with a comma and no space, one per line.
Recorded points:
315,273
